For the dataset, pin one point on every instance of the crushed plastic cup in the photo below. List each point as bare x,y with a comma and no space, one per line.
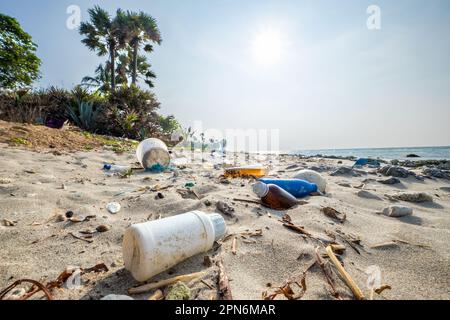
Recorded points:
153,153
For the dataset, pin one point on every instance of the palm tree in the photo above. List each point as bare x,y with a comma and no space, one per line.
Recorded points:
125,67
142,29
105,35
101,81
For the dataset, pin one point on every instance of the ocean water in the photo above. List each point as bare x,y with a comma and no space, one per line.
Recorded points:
425,153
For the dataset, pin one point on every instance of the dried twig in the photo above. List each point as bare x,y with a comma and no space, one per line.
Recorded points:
206,284
328,276
224,284
62,278
256,233
80,238
233,246
40,286
287,222
166,282
247,201
347,278
296,228
382,288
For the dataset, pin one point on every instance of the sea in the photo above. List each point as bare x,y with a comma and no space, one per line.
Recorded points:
425,153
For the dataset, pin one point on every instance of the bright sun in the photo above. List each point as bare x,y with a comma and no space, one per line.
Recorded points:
267,47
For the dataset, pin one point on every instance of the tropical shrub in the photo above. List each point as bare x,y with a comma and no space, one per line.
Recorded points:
84,115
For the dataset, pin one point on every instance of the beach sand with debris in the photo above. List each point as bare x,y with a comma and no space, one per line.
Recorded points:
38,187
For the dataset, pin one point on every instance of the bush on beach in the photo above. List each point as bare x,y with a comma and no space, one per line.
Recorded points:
129,112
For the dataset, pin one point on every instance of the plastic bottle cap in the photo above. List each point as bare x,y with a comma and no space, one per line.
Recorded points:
219,225
261,189
107,167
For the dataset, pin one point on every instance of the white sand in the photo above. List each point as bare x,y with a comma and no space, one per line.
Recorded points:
417,268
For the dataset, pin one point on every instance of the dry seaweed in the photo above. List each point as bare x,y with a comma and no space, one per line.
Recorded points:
334,214
224,283
62,278
287,290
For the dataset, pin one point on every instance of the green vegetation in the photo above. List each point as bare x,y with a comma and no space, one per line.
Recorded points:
121,38
109,103
169,124
19,65
83,114
20,141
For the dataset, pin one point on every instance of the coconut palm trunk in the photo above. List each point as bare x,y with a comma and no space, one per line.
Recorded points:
112,53
135,62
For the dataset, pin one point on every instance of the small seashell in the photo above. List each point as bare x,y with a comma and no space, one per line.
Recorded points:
103,228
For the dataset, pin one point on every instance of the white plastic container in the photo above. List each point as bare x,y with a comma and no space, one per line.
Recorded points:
151,152
152,247
313,177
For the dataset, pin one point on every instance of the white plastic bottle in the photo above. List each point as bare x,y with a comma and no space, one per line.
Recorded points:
152,247
112,168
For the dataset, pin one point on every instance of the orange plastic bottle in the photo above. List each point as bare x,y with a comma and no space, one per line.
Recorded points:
274,197
256,171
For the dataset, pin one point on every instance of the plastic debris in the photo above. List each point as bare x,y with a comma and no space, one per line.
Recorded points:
116,297
113,207
257,171
153,154
312,177
274,197
298,188
172,239
116,168
372,163
189,185
397,211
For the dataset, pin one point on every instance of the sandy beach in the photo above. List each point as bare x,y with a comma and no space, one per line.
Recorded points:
36,185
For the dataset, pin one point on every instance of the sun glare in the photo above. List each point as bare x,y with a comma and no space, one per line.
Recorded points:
267,47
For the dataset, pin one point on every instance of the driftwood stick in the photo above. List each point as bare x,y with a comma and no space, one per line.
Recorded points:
224,284
347,278
296,228
166,282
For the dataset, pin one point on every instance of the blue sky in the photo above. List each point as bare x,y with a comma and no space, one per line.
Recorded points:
335,83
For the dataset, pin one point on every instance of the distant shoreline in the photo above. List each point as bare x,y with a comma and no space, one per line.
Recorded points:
401,153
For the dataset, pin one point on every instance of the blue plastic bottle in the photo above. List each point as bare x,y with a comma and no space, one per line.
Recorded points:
298,188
